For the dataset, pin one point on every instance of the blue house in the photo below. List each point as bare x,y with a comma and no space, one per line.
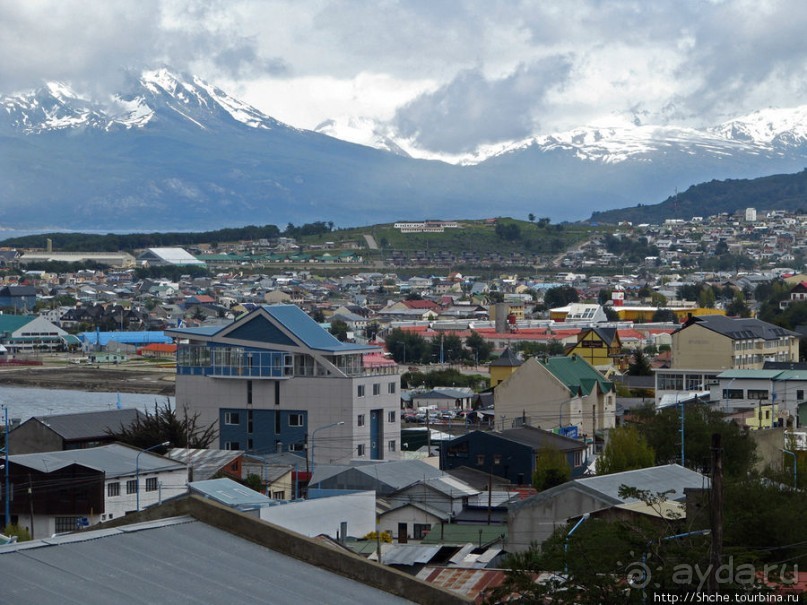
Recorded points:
511,454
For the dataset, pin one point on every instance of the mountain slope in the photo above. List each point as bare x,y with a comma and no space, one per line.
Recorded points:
171,151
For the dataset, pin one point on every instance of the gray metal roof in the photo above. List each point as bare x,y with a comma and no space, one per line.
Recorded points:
205,463
656,479
115,460
395,474
294,319
409,554
230,493
180,561
87,425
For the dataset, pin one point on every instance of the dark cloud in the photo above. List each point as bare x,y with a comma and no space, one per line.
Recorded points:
241,60
472,109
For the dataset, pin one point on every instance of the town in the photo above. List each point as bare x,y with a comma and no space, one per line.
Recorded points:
378,411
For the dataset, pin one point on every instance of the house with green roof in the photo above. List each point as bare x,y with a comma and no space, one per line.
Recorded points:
556,393
25,333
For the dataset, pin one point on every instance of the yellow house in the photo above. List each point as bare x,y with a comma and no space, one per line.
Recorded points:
716,342
600,347
503,367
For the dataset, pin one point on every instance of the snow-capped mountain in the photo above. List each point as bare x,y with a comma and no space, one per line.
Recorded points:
171,151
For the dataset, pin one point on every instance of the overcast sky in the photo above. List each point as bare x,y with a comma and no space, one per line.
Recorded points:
449,74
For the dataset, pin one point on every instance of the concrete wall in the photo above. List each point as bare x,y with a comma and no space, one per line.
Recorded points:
534,392
769,448
537,518
326,400
696,347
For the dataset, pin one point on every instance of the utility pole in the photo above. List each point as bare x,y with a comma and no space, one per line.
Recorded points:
716,512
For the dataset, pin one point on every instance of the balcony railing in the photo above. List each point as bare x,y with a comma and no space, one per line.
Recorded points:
233,362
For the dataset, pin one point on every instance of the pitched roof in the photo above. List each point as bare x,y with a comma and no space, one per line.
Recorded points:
114,460
539,438
738,328
508,359
577,374
87,425
205,463
149,563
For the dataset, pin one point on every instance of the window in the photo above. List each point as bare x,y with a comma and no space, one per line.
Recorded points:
360,450
757,394
64,524
799,395
360,390
497,458
151,484
113,489
131,486
732,393
296,447
391,446
232,445
232,418
377,389
420,530
480,459
295,420
391,416
391,387
280,495
360,420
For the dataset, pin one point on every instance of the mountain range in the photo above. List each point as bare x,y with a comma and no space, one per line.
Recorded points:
171,151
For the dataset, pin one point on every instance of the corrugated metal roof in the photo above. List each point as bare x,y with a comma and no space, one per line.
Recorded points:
205,463
230,493
656,479
409,554
452,533
115,460
186,562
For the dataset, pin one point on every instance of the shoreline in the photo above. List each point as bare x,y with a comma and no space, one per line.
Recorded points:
92,378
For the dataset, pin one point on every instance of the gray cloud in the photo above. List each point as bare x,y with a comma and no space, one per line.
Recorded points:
495,70
473,109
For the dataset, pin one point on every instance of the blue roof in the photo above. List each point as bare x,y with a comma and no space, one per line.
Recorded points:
291,317
134,338
294,319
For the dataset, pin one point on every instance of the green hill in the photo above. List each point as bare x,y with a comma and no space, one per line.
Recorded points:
776,192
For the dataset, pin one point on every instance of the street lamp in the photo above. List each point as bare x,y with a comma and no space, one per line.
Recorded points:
137,468
566,543
795,466
314,434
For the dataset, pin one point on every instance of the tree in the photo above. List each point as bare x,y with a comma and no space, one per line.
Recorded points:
663,433
551,469
531,217
640,366
164,424
663,316
408,347
481,347
626,450
560,296
339,330
706,298
737,306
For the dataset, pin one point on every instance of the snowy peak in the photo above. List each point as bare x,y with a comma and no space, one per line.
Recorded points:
150,97
362,131
768,126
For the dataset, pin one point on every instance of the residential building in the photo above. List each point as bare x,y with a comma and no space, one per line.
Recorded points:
68,431
600,347
512,453
563,392
716,342
503,366
534,519
54,492
274,380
